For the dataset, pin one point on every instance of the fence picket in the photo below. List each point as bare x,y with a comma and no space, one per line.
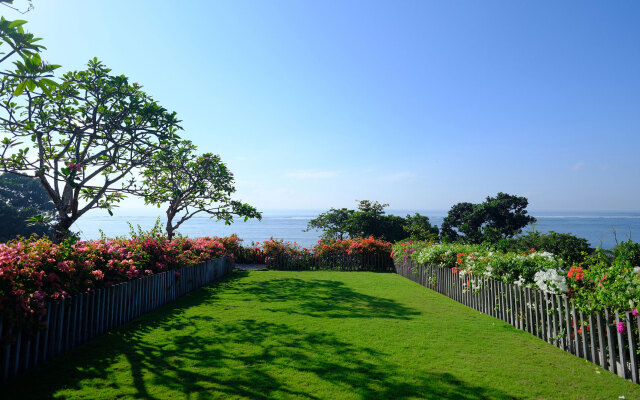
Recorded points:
632,347
567,324
612,357
591,328
583,337
622,352
574,327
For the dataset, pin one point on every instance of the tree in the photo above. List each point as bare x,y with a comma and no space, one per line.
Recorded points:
22,199
30,71
466,220
498,217
369,220
191,184
89,135
418,227
333,223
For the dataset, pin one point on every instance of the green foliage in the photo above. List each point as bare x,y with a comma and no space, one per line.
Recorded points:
23,201
570,248
30,71
479,261
627,252
334,223
496,218
369,220
418,227
191,184
611,280
89,135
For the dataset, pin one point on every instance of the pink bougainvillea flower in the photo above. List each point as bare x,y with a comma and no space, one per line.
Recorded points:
621,327
635,312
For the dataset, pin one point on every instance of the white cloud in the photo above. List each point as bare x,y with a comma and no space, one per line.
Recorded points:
311,174
578,166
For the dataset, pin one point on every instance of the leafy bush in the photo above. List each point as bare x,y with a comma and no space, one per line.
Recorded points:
607,282
566,246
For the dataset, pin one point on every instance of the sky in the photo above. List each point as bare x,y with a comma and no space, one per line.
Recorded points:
419,104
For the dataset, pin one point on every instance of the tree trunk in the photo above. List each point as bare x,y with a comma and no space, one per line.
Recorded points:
61,229
170,228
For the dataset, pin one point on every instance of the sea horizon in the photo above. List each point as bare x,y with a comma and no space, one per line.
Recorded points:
600,227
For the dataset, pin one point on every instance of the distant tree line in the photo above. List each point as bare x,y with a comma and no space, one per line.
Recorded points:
497,218
497,222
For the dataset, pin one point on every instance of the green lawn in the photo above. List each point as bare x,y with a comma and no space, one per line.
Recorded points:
318,335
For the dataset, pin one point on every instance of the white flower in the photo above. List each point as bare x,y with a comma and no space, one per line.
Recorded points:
551,281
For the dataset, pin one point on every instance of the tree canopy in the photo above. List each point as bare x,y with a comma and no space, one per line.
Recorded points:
370,220
89,134
496,218
191,184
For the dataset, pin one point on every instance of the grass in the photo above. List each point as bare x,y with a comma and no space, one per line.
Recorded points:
318,335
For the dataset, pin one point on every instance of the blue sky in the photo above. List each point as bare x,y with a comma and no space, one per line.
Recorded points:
414,103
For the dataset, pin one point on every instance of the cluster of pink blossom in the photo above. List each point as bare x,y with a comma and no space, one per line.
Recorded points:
353,246
33,272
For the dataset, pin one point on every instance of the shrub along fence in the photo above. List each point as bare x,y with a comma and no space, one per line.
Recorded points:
608,339
378,262
73,321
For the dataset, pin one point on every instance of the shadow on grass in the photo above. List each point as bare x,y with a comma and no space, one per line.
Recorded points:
322,298
200,357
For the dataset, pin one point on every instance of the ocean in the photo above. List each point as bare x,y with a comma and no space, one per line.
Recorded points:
601,228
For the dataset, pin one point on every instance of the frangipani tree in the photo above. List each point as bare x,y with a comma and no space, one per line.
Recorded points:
191,184
88,135
30,71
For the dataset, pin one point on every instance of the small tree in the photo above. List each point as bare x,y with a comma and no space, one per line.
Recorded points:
498,217
191,184
89,134
369,220
418,227
333,223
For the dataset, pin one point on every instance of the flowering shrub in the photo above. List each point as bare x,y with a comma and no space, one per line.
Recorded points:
352,246
551,280
613,283
327,254
34,271
278,247
406,249
605,279
534,269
